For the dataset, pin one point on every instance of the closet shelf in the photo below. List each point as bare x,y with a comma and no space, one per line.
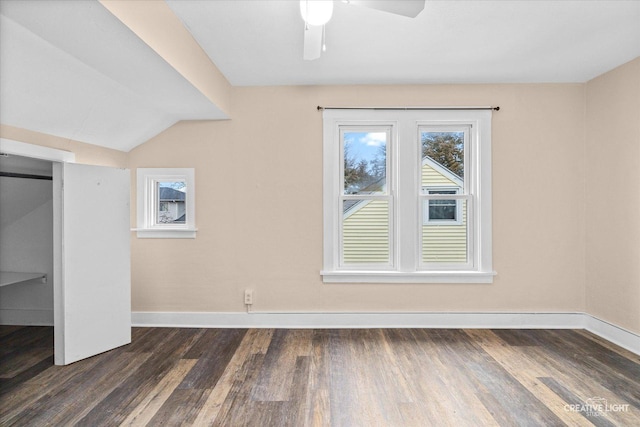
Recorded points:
11,278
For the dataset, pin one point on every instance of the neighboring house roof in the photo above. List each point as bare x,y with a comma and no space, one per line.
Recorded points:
168,194
443,170
183,218
372,188
350,206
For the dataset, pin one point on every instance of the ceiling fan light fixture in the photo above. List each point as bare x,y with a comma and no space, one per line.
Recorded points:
316,12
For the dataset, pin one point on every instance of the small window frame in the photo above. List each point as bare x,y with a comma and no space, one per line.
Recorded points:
426,220
148,203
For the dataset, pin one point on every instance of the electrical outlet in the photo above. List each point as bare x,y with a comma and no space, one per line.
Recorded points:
248,296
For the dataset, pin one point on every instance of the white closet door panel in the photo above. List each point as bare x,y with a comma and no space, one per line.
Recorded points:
95,279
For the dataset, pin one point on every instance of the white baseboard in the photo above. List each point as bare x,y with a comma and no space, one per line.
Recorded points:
613,333
360,320
26,317
608,331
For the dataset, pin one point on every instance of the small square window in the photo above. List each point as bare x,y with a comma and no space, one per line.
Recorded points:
441,210
166,203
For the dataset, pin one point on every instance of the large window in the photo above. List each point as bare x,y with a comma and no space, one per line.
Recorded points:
407,196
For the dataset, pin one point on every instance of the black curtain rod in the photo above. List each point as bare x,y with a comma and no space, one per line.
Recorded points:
26,176
408,108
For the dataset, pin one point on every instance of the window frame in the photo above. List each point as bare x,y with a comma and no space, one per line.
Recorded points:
426,218
388,196
148,206
405,171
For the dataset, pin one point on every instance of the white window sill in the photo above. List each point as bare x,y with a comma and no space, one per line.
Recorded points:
181,233
403,277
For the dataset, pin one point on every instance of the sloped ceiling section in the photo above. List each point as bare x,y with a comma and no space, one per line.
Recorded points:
72,69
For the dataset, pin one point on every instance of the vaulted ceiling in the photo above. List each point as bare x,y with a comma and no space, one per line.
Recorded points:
96,72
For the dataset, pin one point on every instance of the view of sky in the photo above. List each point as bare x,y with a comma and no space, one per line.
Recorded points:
364,145
176,185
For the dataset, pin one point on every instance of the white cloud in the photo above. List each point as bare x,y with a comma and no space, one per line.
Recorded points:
374,139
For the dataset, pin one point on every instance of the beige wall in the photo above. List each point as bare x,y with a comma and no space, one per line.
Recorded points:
565,209
85,153
613,196
259,205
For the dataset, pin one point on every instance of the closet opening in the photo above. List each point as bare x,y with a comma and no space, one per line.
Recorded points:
26,241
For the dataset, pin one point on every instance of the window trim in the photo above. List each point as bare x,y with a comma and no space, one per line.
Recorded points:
148,206
408,268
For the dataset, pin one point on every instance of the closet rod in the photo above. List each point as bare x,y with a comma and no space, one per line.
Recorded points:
26,176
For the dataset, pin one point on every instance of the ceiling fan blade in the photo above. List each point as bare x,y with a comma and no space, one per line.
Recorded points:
312,42
409,8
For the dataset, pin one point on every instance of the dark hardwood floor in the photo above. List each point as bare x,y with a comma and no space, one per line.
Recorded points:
342,377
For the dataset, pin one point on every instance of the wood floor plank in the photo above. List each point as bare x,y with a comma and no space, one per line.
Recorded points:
124,398
591,360
145,411
52,381
261,338
425,377
255,341
235,409
558,365
516,360
79,395
204,345
343,399
297,409
214,360
27,338
195,388
595,418
358,393
274,383
593,350
608,345
515,337
465,401
317,405
8,385
376,370
19,360
181,408
8,329
150,339
323,377
493,383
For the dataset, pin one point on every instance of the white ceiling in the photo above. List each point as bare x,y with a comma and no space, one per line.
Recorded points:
260,42
70,68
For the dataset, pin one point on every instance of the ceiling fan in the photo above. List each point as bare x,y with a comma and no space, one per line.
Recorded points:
316,13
